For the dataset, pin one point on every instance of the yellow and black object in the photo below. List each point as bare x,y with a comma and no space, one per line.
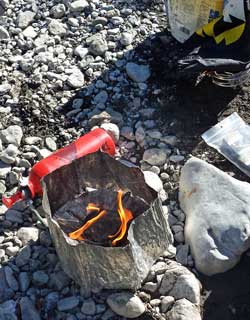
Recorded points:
220,50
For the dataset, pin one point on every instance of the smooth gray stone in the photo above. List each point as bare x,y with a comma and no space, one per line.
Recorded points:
138,73
68,303
184,310
126,304
28,310
24,281
26,234
11,280
23,256
6,293
12,135
180,283
217,209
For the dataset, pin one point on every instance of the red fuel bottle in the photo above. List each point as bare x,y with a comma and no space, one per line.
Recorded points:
98,139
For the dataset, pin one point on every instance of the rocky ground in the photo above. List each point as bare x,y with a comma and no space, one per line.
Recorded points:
65,67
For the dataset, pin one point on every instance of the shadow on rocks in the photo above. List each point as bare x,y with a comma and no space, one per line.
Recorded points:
226,296
188,109
180,108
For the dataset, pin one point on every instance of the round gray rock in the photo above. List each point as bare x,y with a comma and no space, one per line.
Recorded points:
26,234
76,79
68,303
113,130
155,156
25,18
126,305
78,5
4,34
153,180
9,154
138,73
12,135
57,28
40,278
217,209
184,310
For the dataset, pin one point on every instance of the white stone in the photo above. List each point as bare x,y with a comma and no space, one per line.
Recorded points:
217,209
25,18
4,87
179,283
150,287
58,11
166,303
9,154
155,170
57,28
26,234
188,287
4,3
113,130
153,180
155,156
81,51
73,22
155,302
184,310
4,169
138,73
2,188
12,135
4,34
126,38
126,304
78,5
12,251
76,79
98,45
51,144
159,268
29,32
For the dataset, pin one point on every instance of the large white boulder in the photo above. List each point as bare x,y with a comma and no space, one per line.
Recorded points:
217,209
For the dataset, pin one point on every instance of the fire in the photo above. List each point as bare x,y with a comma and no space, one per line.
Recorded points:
124,214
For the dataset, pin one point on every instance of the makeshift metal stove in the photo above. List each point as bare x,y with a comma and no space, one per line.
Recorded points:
107,224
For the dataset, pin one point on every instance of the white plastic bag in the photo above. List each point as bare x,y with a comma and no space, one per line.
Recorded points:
231,137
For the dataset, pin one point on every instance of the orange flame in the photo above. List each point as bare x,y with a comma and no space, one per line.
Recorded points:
124,214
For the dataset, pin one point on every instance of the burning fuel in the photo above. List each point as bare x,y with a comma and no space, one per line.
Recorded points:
124,214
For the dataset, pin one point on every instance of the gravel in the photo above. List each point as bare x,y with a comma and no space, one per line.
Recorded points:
40,278
138,73
67,303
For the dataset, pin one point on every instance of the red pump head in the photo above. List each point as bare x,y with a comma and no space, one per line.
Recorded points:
9,201
98,139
